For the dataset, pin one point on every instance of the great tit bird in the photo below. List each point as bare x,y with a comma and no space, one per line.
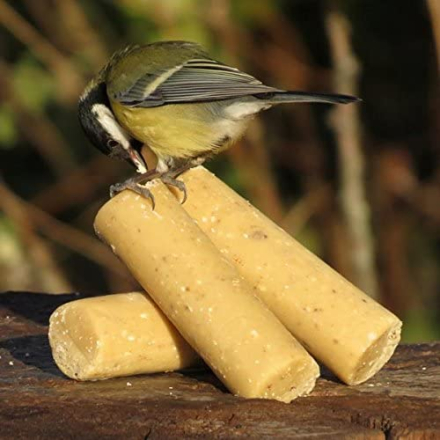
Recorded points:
184,105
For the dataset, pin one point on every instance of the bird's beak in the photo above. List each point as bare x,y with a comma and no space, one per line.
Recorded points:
138,161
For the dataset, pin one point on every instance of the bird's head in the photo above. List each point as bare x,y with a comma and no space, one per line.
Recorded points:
103,130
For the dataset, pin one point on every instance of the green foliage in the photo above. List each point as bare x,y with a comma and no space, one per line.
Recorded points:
230,175
33,85
250,12
8,129
420,325
309,237
165,20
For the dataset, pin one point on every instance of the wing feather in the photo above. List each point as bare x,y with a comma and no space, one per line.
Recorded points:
196,80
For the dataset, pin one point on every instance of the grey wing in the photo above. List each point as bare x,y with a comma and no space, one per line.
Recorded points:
197,80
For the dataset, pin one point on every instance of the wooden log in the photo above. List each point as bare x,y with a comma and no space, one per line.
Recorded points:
37,401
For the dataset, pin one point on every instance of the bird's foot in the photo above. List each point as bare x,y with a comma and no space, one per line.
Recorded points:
169,178
137,185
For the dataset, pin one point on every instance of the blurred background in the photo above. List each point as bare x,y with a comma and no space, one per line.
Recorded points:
358,185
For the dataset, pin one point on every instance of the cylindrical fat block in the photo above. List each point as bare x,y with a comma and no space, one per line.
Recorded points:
346,330
203,295
116,335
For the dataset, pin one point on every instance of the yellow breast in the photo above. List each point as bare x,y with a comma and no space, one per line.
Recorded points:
178,130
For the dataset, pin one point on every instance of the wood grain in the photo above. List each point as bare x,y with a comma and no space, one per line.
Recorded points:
37,401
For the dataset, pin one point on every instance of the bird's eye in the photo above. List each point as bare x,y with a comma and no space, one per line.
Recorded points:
111,143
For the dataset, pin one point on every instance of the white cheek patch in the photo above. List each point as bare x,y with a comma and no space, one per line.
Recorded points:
107,120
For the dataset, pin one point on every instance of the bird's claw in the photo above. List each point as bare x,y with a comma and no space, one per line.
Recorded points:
137,184
138,188
169,179
116,188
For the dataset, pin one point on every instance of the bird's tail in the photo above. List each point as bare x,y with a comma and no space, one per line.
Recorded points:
292,97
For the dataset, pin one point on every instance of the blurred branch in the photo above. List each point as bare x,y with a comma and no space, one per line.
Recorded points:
79,186
303,210
218,17
46,273
398,178
257,175
81,33
43,13
69,28
47,139
287,58
254,165
345,122
425,202
39,131
69,81
69,237
434,13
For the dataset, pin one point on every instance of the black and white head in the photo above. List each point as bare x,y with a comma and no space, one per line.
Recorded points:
103,130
